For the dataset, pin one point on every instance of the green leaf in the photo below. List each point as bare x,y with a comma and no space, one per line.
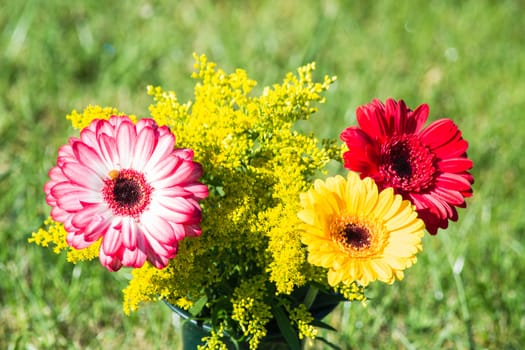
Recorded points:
197,307
287,331
328,343
321,324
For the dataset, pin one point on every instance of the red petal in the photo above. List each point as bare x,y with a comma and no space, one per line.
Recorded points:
444,139
355,138
417,119
449,196
454,165
453,181
371,118
396,116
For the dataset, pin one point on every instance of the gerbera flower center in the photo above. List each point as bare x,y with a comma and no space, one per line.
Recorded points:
126,192
406,164
355,237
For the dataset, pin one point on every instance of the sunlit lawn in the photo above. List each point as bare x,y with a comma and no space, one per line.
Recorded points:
466,59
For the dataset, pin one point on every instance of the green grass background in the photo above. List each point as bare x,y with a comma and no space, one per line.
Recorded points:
466,59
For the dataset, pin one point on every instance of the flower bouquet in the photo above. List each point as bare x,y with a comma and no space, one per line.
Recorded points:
217,206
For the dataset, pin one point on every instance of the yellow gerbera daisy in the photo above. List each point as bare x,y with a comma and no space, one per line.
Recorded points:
358,233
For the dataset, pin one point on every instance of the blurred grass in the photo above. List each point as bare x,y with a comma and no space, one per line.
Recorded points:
466,59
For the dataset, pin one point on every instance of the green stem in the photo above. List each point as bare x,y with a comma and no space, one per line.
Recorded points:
310,296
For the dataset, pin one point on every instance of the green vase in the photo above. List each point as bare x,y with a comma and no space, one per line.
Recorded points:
192,332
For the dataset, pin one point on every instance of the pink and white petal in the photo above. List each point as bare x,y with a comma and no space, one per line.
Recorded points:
104,127
175,191
95,144
126,138
146,123
179,231
184,173
157,228
140,258
184,153
159,261
192,230
164,168
58,214
65,154
133,258
196,173
82,176
155,247
112,262
117,120
129,257
164,130
129,233
77,241
164,147
90,158
56,175
112,241
70,201
199,191
83,194
166,213
89,137
108,151
144,147
180,210
96,228
92,212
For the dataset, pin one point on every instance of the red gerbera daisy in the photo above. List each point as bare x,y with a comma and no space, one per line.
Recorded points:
126,183
428,166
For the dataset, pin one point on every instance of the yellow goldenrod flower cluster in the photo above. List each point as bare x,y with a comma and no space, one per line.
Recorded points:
352,292
301,318
54,233
92,112
250,310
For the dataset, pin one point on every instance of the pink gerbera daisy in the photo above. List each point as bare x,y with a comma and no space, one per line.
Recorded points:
127,184
428,166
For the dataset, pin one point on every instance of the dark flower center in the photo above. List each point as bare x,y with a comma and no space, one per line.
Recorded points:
355,236
406,164
126,192
400,161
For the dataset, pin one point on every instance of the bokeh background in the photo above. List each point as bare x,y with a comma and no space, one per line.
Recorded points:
466,59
